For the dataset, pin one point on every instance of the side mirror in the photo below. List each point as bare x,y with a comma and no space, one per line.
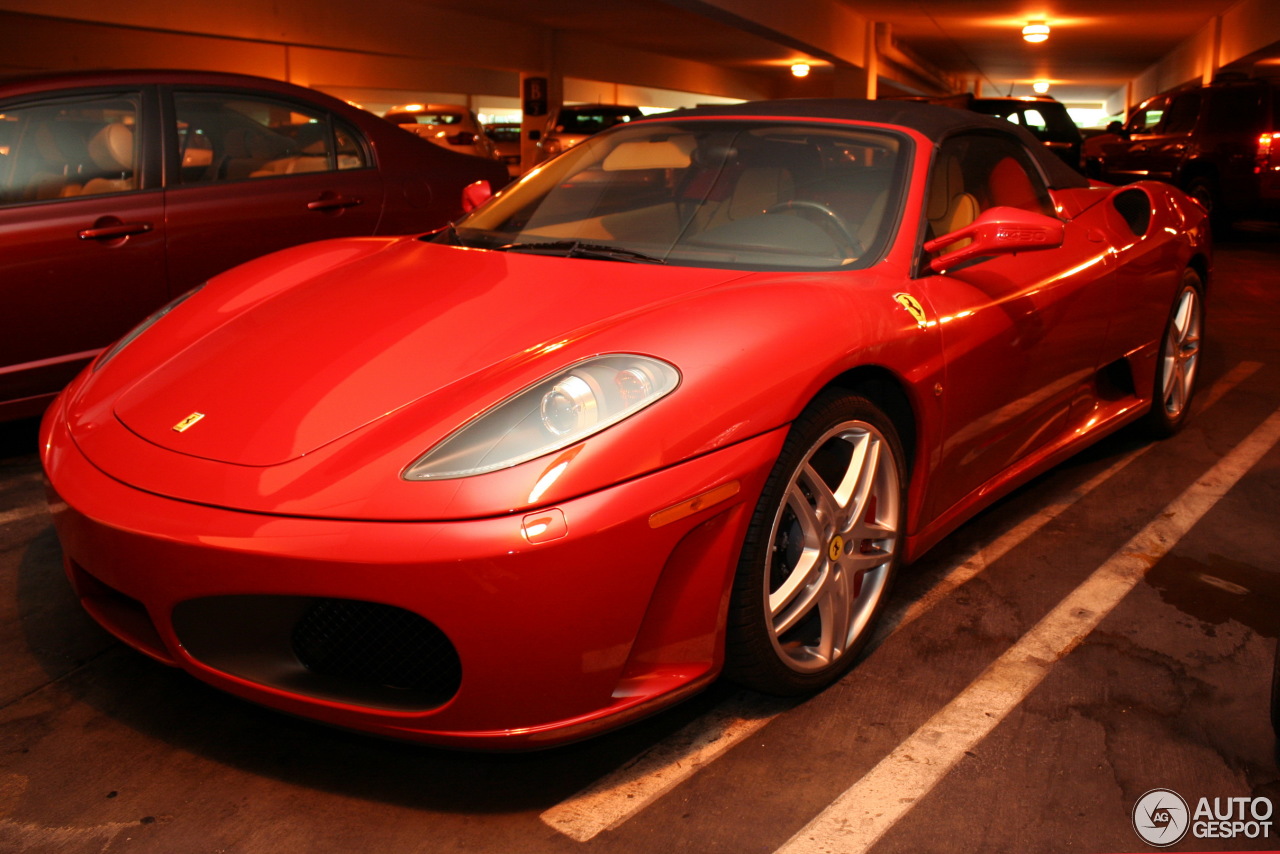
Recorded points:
475,194
998,231
1115,127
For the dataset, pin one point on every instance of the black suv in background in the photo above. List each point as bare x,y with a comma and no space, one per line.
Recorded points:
1213,141
1045,117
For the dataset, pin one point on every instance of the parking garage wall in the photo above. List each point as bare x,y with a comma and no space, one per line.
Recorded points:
387,46
1248,28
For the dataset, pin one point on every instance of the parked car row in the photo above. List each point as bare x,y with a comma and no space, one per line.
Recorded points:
452,126
1217,142
572,123
121,190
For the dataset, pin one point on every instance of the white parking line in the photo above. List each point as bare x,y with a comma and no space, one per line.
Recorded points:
623,793
860,816
22,513
618,796
896,618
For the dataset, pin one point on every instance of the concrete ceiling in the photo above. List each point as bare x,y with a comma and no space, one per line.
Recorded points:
1096,46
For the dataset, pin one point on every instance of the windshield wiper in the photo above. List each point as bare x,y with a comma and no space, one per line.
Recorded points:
578,249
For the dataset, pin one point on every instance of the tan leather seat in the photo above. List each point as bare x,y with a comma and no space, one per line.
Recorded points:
950,208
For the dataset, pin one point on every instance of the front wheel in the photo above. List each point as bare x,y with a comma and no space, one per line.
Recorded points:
821,550
1179,363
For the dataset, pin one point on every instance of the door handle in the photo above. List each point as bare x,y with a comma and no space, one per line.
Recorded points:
333,203
115,231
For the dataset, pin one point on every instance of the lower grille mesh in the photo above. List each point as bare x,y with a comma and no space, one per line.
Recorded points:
378,646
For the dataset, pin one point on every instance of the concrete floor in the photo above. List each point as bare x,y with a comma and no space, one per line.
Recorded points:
103,750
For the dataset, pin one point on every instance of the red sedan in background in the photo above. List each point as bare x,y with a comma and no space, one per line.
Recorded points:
120,190
677,404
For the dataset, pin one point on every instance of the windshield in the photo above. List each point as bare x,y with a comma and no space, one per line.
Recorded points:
743,195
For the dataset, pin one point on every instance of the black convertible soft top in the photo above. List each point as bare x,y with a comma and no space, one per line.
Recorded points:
935,122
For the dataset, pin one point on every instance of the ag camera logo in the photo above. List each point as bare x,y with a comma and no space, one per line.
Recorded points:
1160,817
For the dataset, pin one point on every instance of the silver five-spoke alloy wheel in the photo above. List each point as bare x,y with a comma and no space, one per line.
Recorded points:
821,552
1179,361
1181,353
833,542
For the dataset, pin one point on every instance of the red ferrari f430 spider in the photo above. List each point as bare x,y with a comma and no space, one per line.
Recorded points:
674,406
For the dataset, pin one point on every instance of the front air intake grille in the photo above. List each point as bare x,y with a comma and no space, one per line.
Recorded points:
377,646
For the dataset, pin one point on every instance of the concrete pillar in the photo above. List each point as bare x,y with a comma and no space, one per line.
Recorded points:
541,95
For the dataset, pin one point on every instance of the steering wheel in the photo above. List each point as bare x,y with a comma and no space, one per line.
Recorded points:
830,222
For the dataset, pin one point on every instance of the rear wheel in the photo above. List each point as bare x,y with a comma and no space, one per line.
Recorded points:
1204,189
821,550
1179,363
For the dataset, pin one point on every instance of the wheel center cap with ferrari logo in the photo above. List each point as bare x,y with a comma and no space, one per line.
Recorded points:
836,547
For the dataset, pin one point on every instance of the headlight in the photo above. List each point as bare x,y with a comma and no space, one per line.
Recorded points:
143,327
553,414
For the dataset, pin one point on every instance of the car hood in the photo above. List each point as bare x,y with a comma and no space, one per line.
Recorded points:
353,345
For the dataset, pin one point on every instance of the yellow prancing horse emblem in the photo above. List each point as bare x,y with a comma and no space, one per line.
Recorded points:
912,305
187,423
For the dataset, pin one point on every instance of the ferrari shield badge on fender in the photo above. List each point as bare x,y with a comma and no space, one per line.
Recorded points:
187,423
912,305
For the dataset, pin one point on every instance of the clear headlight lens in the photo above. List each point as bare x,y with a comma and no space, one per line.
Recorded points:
143,327
553,414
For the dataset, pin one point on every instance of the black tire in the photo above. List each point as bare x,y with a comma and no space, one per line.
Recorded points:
1178,364
1204,189
822,545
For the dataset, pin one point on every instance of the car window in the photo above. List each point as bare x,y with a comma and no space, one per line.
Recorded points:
1235,110
975,172
425,118
592,121
233,137
1145,119
1182,113
503,133
69,148
1033,119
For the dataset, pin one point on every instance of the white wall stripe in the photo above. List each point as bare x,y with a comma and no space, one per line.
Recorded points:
620,795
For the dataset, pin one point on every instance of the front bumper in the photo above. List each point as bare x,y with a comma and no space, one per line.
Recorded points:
509,632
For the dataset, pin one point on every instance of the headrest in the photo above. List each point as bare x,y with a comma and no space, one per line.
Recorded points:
1010,186
112,148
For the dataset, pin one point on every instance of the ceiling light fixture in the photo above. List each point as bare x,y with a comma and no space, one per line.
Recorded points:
800,69
1035,31
1040,86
